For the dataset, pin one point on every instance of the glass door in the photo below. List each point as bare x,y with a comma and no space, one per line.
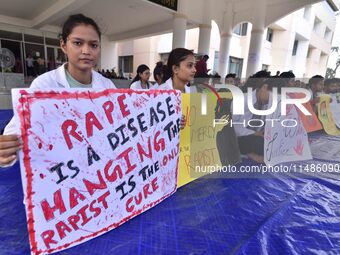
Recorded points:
51,58
12,70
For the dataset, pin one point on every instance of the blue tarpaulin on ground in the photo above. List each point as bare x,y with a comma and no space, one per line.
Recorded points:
282,215
5,116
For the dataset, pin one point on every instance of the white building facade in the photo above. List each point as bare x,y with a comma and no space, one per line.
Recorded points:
299,42
241,37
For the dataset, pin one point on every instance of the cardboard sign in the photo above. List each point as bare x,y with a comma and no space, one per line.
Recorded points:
326,148
285,140
325,116
203,145
184,157
335,109
310,122
93,160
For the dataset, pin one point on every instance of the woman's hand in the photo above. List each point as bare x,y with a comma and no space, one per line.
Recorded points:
259,133
315,101
9,145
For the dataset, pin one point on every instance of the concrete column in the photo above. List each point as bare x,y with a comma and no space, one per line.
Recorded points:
225,43
179,30
257,37
204,39
299,67
313,63
224,52
108,60
323,64
255,52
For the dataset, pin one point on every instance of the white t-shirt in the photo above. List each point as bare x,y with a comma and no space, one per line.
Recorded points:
138,85
29,62
240,129
169,85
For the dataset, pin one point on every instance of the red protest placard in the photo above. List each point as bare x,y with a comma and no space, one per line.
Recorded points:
310,122
93,160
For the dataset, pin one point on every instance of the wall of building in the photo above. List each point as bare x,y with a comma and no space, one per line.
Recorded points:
314,44
334,55
311,57
109,54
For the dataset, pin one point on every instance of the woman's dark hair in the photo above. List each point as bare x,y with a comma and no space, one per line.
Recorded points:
159,70
75,20
175,58
231,75
256,81
272,82
140,69
287,75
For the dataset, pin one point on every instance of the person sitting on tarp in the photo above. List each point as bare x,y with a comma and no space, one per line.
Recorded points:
315,86
230,78
289,79
338,85
331,86
249,127
255,80
141,80
158,73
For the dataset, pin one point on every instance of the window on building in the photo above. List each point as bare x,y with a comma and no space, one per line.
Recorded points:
10,35
45,52
125,64
328,34
244,29
237,29
235,66
265,67
241,29
309,53
317,24
37,52
307,12
164,57
52,41
14,65
11,66
331,5
270,33
295,47
61,56
55,57
34,38
51,58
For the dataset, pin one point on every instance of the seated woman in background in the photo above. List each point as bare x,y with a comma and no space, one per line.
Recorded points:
141,80
331,86
158,73
180,70
315,86
251,138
